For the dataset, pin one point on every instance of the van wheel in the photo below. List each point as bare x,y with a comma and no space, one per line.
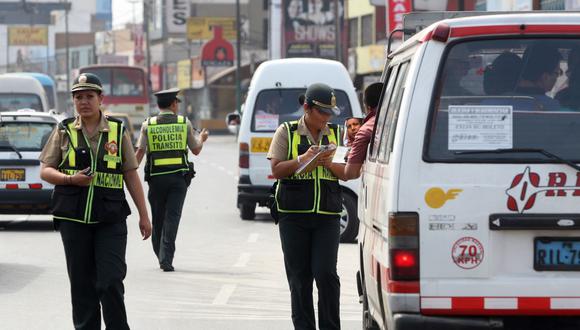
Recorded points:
248,211
348,219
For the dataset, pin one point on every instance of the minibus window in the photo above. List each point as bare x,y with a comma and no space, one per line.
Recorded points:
510,93
382,114
393,115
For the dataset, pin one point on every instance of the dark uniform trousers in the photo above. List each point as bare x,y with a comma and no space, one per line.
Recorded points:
166,195
310,245
95,259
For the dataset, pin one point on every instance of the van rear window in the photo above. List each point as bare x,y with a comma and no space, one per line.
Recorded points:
497,97
275,106
15,101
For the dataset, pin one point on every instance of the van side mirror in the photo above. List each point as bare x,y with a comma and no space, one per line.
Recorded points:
233,120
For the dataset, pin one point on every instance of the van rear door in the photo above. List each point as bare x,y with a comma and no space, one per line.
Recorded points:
498,200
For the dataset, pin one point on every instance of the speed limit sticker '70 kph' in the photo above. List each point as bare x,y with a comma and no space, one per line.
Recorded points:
467,252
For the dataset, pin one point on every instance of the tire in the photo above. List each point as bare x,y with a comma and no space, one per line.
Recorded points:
248,211
348,219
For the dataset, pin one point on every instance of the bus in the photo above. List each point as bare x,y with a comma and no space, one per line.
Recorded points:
125,88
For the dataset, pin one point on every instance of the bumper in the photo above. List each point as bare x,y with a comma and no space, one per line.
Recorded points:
249,194
422,322
25,201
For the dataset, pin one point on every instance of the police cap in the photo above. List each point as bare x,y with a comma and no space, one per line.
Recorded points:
168,96
87,81
322,96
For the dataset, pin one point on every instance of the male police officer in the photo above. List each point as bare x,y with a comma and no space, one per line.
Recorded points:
165,139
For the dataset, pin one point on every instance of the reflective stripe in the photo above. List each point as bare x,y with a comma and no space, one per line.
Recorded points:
168,161
113,132
74,140
108,180
153,121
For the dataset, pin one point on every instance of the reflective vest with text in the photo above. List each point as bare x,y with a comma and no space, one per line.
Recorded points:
166,144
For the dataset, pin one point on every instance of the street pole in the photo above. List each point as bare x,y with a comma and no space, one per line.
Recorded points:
338,32
67,49
146,14
238,56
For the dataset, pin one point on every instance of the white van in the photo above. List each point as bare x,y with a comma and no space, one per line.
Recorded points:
273,99
22,92
470,195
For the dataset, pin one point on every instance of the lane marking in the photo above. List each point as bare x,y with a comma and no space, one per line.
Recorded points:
253,238
224,295
243,260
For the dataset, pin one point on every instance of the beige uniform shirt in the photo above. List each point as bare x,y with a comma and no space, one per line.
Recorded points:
193,140
58,144
279,145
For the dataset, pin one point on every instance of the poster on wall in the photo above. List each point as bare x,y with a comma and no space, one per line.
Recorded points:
310,28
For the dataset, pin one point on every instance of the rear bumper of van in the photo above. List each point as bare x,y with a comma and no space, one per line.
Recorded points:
422,322
251,194
25,201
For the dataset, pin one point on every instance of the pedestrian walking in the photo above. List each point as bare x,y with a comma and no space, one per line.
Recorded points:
165,140
89,158
309,203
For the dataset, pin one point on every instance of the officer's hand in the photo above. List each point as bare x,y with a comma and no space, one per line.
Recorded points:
311,152
81,178
326,158
204,134
145,226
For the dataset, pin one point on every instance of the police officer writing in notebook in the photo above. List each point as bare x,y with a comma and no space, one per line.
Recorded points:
89,158
165,140
309,205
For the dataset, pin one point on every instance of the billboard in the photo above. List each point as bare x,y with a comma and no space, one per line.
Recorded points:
177,13
200,28
395,12
27,36
310,28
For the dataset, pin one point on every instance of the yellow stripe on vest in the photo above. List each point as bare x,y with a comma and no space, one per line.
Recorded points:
112,145
74,140
168,161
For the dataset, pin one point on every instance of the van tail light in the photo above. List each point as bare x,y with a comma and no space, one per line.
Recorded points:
35,185
244,161
12,186
441,32
404,246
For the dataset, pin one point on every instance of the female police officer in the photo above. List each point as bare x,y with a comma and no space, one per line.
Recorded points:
308,205
87,158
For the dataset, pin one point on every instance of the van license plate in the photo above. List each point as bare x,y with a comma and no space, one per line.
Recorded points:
12,174
557,253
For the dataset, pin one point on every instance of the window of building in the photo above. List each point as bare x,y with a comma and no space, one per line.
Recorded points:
353,32
367,30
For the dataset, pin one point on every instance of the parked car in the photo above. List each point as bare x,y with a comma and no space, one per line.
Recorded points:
18,92
23,134
273,99
469,203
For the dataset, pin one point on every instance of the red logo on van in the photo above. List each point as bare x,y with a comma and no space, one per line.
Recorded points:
525,188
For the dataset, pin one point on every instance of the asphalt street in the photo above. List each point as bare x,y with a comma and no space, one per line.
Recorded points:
229,272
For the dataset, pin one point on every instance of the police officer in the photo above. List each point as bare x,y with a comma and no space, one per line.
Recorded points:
88,158
309,206
165,139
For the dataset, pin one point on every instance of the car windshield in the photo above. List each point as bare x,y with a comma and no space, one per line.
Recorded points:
275,106
24,136
120,81
507,94
15,101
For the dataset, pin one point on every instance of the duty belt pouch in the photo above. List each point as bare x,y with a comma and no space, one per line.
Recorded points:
272,203
190,174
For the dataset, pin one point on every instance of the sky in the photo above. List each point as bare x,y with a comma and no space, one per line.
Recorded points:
123,12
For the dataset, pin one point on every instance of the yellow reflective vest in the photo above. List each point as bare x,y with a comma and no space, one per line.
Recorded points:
317,191
104,199
166,145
